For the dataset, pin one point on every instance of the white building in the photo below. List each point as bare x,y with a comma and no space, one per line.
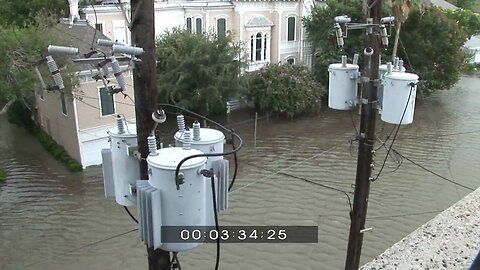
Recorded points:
272,31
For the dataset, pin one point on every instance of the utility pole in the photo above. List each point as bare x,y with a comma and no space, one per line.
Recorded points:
366,138
145,85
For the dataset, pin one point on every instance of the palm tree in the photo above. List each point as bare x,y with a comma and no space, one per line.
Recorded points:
401,9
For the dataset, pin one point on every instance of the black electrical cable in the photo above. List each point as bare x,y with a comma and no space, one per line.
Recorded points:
215,214
432,172
396,133
231,131
235,160
96,22
130,214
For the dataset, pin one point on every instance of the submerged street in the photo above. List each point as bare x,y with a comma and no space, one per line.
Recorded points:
53,219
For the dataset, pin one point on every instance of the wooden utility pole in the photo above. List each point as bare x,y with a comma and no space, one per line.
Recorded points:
145,85
366,139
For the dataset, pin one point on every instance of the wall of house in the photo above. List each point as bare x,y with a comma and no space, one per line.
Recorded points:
61,127
88,105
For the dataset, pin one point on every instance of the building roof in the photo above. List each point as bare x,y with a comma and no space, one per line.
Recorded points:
80,35
443,4
259,21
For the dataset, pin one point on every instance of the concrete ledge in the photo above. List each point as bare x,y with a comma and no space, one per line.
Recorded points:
451,240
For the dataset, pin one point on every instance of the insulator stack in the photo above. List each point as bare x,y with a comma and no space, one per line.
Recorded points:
196,131
187,139
118,74
152,145
120,127
53,68
181,122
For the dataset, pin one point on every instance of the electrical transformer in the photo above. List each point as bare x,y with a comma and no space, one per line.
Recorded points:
120,167
342,85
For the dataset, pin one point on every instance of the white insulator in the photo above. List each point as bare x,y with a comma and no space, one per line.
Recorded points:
339,35
53,68
344,60
355,59
107,42
152,145
384,35
127,50
117,72
389,67
62,49
52,65
400,65
196,131
181,122
187,139
395,62
120,127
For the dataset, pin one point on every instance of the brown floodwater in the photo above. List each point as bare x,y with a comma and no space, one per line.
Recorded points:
53,219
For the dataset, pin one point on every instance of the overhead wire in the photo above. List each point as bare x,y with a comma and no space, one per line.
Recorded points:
78,248
432,172
396,133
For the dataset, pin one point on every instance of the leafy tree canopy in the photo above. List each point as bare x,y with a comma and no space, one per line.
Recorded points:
465,4
289,89
431,41
320,33
21,49
25,12
198,71
433,47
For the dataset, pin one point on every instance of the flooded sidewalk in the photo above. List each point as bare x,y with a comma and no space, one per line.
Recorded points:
451,240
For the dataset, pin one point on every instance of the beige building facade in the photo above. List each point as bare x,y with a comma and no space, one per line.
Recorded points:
270,31
79,119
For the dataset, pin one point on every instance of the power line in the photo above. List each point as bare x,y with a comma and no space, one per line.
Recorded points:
432,172
78,248
396,133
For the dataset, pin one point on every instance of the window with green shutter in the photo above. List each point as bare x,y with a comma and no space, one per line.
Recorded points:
291,29
189,24
107,104
198,25
221,27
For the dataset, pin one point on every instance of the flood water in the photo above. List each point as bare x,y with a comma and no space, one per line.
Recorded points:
53,219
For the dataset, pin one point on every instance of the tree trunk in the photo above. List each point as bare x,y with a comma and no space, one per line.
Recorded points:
395,43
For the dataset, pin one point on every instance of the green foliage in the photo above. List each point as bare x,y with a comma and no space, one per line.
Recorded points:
3,175
320,33
289,89
18,114
57,151
199,72
465,4
14,13
20,51
433,43
467,20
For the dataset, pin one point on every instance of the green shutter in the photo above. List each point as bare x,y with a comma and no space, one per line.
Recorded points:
198,25
221,27
291,29
189,24
106,101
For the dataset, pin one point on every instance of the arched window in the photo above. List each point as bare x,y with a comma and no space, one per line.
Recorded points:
221,27
291,60
291,28
189,24
198,25
259,47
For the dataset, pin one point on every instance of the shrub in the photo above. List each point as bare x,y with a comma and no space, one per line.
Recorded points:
289,89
